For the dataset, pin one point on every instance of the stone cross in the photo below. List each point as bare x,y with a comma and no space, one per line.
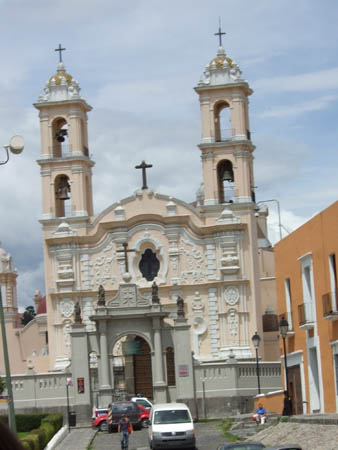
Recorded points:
60,50
125,250
144,166
220,33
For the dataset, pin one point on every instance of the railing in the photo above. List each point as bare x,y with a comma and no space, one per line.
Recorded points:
329,302
305,314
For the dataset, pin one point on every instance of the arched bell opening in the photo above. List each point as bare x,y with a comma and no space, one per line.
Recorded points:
84,139
60,137
226,182
149,264
132,369
222,118
62,196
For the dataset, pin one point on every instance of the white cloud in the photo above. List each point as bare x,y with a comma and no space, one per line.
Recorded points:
321,80
315,104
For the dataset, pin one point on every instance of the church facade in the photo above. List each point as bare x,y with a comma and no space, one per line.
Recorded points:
152,289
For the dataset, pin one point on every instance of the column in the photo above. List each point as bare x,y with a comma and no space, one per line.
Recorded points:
105,390
159,384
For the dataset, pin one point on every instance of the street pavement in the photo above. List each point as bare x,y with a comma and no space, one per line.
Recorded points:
208,437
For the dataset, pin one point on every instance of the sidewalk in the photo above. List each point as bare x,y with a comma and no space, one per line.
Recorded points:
78,439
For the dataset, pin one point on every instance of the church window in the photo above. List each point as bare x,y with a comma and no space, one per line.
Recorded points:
222,116
149,265
226,185
60,135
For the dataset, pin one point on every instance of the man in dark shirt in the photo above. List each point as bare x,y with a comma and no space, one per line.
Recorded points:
124,428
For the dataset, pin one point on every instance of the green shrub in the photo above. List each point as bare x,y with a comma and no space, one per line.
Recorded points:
32,440
28,422
55,419
42,435
26,444
49,429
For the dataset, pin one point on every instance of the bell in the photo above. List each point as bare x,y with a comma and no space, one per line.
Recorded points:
227,175
60,135
60,138
63,195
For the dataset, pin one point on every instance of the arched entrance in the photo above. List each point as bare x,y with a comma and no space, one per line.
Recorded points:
132,371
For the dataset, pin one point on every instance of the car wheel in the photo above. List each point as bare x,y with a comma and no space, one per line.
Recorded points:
145,423
103,426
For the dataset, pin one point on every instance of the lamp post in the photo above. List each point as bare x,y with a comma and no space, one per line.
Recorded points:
68,383
278,210
15,146
283,329
256,339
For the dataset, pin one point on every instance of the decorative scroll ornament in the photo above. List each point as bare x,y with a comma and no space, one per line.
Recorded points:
67,308
231,295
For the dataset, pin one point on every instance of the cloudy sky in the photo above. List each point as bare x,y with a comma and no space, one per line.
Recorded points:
137,63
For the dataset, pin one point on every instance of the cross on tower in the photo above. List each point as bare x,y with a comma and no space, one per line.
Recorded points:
144,166
125,250
60,50
220,33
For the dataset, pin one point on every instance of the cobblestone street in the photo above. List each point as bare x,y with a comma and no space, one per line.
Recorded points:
208,437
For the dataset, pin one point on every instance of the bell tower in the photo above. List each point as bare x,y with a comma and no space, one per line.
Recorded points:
65,162
226,142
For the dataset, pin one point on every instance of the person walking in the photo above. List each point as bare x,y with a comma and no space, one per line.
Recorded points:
124,428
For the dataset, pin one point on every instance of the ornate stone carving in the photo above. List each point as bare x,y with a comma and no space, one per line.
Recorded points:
67,328
233,326
67,308
197,303
128,297
231,295
193,262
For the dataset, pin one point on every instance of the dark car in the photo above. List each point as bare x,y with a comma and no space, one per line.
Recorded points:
242,446
285,447
115,411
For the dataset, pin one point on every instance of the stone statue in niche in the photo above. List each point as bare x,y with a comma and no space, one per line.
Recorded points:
101,296
180,307
78,313
154,294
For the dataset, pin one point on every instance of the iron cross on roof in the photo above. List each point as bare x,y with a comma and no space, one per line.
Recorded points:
220,33
60,50
144,166
125,250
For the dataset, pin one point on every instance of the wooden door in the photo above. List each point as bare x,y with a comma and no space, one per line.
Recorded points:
142,370
295,389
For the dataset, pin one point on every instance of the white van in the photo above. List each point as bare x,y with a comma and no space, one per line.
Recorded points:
171,425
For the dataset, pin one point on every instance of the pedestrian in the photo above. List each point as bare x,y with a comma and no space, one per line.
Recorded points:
260,415
124,428
287,405
8,440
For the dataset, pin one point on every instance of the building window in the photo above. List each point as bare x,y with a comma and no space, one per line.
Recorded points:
336,370
288,302
333,280
149,265
308,294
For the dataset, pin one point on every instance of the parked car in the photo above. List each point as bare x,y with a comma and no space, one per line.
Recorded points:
143,401
242,446
285,447
171,425
101,420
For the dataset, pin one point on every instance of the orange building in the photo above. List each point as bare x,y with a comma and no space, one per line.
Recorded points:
306,279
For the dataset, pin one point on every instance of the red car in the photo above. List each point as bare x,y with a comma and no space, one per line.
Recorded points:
101,420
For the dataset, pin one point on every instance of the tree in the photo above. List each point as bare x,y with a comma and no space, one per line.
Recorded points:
28,315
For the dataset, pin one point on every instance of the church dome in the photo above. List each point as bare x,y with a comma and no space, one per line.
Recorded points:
61,75
220,59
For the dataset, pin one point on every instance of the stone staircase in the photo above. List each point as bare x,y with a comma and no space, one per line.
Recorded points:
244,427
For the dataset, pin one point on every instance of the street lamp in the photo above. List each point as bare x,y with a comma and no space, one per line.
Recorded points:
69,382
256,339
16,145
283,329
279,218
